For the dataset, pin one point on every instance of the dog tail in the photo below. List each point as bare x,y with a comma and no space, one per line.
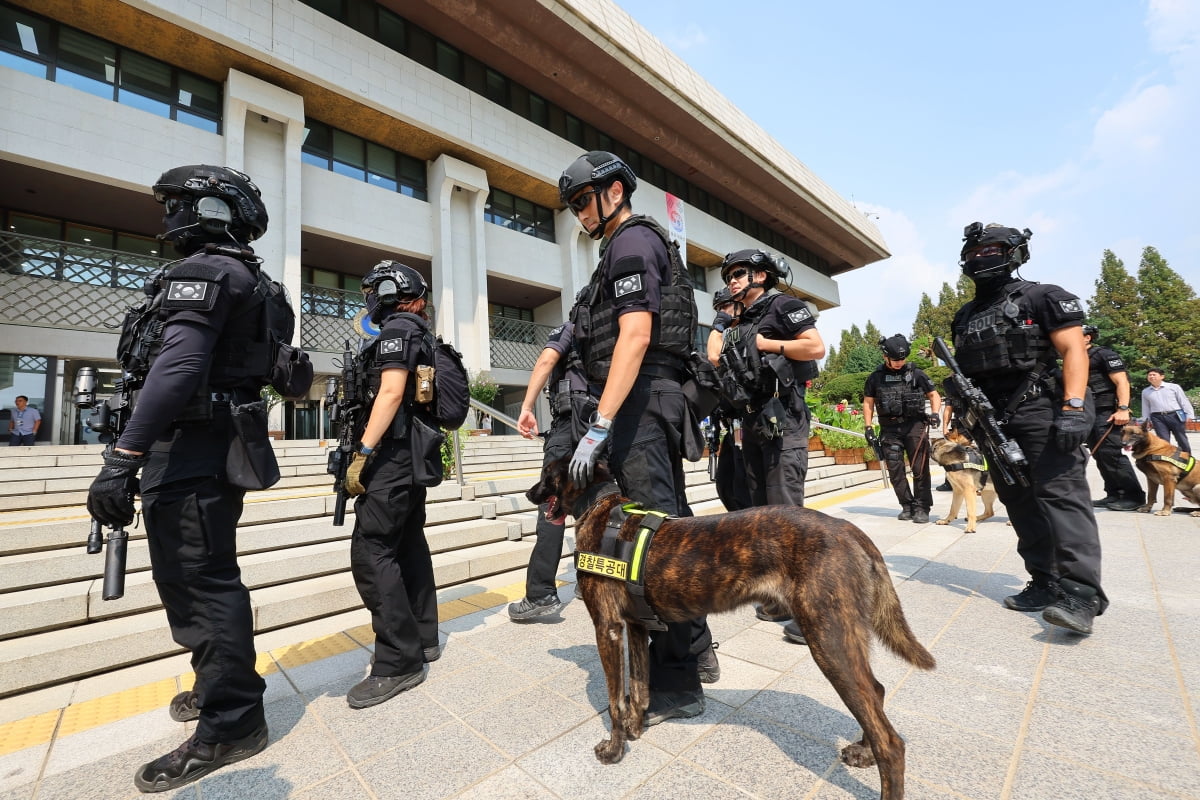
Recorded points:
887,619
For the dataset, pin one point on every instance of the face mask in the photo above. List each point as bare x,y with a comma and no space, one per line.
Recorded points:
373,310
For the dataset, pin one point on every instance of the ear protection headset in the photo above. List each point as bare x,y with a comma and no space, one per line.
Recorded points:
388,292
213,214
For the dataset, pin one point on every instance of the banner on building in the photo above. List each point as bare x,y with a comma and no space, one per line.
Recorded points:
676,226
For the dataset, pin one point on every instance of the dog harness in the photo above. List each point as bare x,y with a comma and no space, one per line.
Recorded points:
626,561
1176,460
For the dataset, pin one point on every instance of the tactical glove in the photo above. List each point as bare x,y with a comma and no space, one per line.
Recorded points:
1071,429
935,421
358,462
872,438
721,322
583,463
110,497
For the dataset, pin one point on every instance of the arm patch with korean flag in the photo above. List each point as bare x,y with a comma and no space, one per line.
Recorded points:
794,316
190,294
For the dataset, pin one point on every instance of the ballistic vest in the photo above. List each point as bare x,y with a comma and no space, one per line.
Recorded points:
1103,389
750,378
898,395
1002,338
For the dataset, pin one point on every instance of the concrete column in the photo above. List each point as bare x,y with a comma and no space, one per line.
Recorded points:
458,193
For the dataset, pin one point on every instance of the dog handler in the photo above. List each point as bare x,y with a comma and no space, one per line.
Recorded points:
1109,382
1007,341
634,328
898,390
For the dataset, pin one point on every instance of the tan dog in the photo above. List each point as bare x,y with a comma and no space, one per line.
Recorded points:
825,570
1164,466
967,480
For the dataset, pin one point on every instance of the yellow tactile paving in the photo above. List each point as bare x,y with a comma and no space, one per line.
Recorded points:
28,732
363,634
455,609
297,655
103,710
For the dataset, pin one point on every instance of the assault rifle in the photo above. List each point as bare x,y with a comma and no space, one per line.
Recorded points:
107,419
713,436
978,416
345,412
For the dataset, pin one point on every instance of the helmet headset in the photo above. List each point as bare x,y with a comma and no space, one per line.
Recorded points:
389,283
597,170
206,204
775,267
993,252
895,347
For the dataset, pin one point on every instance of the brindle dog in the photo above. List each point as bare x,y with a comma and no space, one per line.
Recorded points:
1143,442
825,570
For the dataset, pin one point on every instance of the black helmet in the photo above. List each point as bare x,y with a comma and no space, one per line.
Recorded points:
390,283
218,204
1092,331
895,347
775,266
721,297
598,169
1011,250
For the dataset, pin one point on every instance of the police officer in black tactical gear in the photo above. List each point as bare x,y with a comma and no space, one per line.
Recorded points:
730,477
634,328
179,435
896,392
1007,340
560,369
765,363
389,556
1108,380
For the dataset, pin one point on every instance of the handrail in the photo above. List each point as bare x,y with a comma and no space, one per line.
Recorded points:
882,469
491,412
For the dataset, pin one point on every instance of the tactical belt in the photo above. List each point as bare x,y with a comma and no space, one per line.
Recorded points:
1176,459
662,371
626,560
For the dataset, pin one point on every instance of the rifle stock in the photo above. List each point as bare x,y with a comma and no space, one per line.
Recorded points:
978,416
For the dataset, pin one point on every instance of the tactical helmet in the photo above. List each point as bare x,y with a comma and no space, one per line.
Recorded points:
721,297
1011,250
594,168
1092,331
209,204
775,267
895,347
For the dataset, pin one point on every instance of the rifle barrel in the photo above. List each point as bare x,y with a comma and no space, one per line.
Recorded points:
114,564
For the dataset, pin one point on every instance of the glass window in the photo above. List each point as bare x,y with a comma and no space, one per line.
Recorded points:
381,166
139,245
199,95
574,130
412,177
330,8
449,62
86,63
145,83
497,88
392,31
317,138
539,113
474,75
24,41
421,47
348,156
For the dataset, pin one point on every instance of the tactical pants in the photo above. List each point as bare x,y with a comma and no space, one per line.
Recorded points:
731,476
1056,530
192,535
908,439
547,549
776,468
393,570
646,460
1120,479
1168,422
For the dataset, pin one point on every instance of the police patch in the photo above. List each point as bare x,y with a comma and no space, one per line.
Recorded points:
1116,363
187,291
389,346
627,285
800,316
1070,306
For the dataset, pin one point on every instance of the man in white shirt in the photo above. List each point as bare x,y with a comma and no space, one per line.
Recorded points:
24,423
1167,408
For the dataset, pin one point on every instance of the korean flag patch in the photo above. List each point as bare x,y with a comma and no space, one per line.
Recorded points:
391,347
1070,306
630,284
187,291
1116,363
799,316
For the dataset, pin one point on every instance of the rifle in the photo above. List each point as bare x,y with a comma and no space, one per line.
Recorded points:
107,419
877,447
713,435
978,416
345,413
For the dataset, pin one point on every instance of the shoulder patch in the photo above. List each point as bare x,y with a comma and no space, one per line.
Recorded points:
799,316
1116,363
391,346
1070,306
629,284
187,291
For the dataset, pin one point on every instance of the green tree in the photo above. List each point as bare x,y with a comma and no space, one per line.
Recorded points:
1171,310
1117,311
923,324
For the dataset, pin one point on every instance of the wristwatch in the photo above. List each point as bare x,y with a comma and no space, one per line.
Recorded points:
1122,408
604,423
1076,403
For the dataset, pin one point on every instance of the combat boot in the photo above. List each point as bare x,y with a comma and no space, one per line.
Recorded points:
1037,595
1075,608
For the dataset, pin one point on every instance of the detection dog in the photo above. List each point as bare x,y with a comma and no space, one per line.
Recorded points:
963,463
827,571
1164,466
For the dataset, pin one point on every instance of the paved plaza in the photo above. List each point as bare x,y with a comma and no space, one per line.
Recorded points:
1016,710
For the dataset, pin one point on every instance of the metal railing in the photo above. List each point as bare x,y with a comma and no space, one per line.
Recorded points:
883,475
515,343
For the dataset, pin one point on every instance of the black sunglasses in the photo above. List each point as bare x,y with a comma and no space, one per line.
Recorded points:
578,203
737,274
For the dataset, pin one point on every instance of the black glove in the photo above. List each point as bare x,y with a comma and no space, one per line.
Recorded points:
1071,429
872,439
721,322
110,497
935,421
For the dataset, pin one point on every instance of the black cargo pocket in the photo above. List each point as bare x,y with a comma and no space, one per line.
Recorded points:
426,442
250,463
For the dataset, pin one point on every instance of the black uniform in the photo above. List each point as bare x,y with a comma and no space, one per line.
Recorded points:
1000,337
181,419
389,556
1120,480
645,445
570,407
904,429
730,477
776,465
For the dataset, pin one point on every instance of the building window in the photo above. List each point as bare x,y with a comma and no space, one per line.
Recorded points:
519,214
346,154
696,277
73,58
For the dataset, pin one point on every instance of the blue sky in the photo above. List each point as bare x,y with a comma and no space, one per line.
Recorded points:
1079,119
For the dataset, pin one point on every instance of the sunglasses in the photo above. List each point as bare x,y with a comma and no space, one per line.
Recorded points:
737,275
578,203
173,204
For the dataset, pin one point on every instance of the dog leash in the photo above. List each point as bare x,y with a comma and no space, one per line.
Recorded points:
1103,436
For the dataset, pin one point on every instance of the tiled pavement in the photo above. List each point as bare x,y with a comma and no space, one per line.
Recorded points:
1016,710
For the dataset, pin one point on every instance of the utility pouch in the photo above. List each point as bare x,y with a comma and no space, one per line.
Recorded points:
424,393
250,463
426,444
769,424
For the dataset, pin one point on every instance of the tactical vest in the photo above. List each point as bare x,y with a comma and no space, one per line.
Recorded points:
1103,389
1001,338
750,378
898,396
674,332
370,369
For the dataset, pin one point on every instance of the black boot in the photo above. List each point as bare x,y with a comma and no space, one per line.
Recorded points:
1037,594
1076,607
193,760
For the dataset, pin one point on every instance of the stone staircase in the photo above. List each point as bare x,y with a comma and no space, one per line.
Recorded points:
55,628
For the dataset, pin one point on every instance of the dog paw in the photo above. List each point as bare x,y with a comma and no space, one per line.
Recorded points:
983,517
610,751
1194,514
942,522
858,755
969,530
1163,512
1144,509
